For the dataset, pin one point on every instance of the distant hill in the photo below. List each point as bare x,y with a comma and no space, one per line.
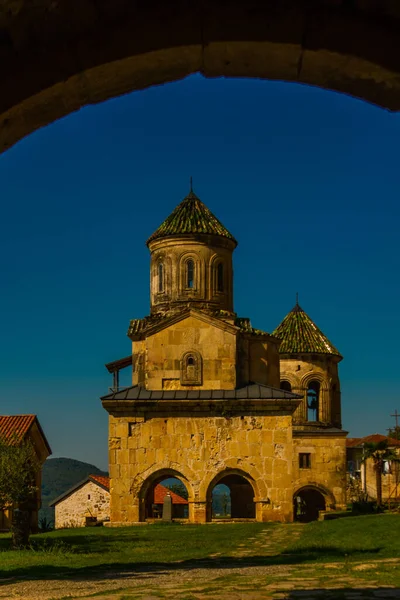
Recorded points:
58,476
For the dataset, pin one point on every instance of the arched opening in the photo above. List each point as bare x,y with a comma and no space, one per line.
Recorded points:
285,385
191,368
313,393
231,497
307,503
220,277
155,499
190,274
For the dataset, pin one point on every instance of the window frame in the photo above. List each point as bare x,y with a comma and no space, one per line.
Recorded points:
304,460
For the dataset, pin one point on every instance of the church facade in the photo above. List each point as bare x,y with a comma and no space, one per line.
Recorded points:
214,400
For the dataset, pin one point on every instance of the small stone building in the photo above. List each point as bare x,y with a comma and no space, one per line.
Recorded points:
15,429
86,503
216,401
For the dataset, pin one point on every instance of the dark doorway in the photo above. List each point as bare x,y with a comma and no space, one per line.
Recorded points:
233,498
306,505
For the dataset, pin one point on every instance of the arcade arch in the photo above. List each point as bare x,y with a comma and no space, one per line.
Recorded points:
309,500
57,59
156,487
240,488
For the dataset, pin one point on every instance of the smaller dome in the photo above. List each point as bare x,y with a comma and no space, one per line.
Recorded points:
300,335
191,216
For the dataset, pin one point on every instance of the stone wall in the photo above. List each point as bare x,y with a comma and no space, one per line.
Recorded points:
201,451
88,500
327,471
300,371
206,251
230,358
217,346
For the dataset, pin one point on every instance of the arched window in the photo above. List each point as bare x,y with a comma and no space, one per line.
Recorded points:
160,277
313,401
191,368
220,277
285,385
190,274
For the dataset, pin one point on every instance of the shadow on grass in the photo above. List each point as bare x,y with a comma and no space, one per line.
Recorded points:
344,593
118,570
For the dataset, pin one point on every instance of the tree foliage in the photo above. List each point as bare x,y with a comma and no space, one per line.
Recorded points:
394,433
179,489
18,489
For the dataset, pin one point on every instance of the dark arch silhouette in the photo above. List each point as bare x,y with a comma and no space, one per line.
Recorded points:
62,56
308,501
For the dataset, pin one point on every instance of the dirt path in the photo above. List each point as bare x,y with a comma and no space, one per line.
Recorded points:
245,583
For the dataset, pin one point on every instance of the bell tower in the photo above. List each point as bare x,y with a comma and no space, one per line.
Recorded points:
309,367
191,261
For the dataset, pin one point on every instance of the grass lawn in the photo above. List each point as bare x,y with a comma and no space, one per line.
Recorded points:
92,552
101,547
354,538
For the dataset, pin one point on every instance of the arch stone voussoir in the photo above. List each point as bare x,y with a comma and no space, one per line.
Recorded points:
212,480
164,469
57,57
328,494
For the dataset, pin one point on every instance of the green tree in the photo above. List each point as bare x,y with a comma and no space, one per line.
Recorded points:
394,433
379,453
18,489
179,489
225,503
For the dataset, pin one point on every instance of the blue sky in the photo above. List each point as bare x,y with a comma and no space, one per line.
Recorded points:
306,180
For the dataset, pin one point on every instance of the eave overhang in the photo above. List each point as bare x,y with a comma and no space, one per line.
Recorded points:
319,431
222,408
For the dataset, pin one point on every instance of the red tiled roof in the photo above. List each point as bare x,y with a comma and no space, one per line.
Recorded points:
15,425
102,480
371,439
352,442
160,492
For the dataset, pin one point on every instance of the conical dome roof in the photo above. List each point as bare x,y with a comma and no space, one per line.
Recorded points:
300,335
191,216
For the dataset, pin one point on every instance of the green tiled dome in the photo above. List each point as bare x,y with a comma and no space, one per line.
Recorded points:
191,216
300,335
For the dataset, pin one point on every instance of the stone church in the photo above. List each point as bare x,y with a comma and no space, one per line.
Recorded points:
214,400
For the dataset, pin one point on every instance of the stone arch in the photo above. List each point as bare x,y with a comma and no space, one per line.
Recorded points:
314,375
291,379
155,477
56,59
217,261
197,289
323,395
234,477
159,296
314,497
